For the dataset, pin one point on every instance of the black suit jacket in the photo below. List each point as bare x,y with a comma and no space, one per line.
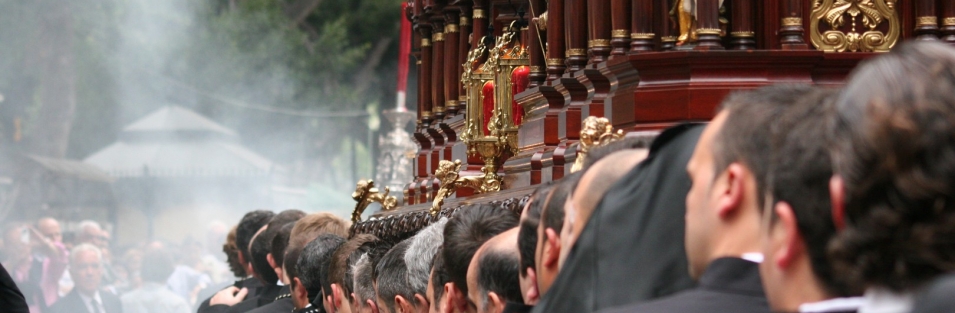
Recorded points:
727,285
283,305
72,303
513,307
11,299
254,286
631,249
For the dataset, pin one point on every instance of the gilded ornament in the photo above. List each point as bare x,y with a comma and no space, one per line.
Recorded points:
576,52
620,33
479,13
862,18
536,69
451,28
450,180
437,37
554,62
743,34
425,42
668,39
709,31
596,43
542,22
596,131
948,21
791,21
465,21
365,194
926,21
450,103
644,36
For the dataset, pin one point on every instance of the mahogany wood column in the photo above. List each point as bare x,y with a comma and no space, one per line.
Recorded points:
416,52
452,64
742,34
926,20
620,30
479,20
599,19
708,25
555,39
948,22
641,27
576,23
437,69
667,35
535,46
464,44
424,80
791,32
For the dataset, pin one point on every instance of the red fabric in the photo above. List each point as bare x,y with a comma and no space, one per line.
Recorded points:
488,104
404,52
519,82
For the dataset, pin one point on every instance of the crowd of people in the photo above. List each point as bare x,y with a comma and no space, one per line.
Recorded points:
794,198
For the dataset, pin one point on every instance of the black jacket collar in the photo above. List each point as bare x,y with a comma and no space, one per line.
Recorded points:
733,275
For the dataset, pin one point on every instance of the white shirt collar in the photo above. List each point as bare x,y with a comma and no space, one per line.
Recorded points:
87,300
881,300
754,257
833,305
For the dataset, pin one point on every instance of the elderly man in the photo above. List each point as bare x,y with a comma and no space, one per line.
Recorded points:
493,276
86,268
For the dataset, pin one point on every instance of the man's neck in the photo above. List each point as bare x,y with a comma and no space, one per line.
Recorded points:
802,278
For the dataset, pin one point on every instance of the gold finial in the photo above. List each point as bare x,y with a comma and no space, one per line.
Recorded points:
366,193
596,131
450,179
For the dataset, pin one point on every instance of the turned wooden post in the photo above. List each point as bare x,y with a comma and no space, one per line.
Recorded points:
791,32
641,27
708,25
926,20
452,64
464,44
479,22
665,28
620,30
576,23
424,79
743,36
599,25
948,22
555,39
437,69
535,46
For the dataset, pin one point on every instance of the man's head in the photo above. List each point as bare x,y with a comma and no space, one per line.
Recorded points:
338,294
50,229
231,251
527,243
547,254
312,225
250,224
465,232
312,268
590,190
364,296
277,253
797,218
493,274
90,232
263,262
157,266
419,258
728,172
391,281
894,161
436,284
86,268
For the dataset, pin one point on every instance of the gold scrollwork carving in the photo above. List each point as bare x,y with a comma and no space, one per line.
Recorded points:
596,131
926,21
450,180
479,13
576,52
437,37
646,36
863,18
542,22
791,21
620,33
948,21
366,194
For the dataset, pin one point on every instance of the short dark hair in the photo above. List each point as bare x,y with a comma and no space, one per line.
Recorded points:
439,276
248,226
312,265
339,268
744,136
262,245
231,251
157,266
466,231
799,175
280,243
894,148
498,272
527,233
599,152
391,276
552,214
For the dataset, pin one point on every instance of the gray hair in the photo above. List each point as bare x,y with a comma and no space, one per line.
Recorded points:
364,289
83,225
420,255
84,247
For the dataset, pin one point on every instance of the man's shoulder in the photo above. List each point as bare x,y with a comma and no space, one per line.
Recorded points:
698,300
284,305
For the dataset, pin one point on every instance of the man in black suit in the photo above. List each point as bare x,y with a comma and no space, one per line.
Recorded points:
86,268
251,222
728,177
11,299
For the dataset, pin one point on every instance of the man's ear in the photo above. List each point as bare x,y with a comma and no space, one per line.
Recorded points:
242,260
403,305
792,245
837,194
299,290
337,295
495,304
551,248
271,260
533,293
456,298
354,299
422,300
731,196
371,304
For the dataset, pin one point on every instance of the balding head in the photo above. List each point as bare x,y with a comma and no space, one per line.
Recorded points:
591,189
50,229
493,275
